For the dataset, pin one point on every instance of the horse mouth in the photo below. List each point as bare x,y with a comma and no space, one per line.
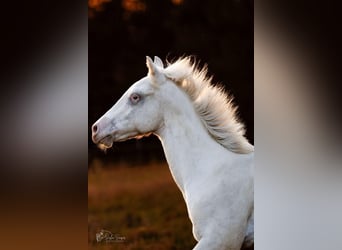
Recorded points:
105,142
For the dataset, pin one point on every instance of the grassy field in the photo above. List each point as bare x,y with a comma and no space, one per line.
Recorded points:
142,204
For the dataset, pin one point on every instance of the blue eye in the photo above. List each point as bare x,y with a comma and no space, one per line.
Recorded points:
134,98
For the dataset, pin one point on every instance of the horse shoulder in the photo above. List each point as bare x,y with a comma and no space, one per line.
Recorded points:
214,202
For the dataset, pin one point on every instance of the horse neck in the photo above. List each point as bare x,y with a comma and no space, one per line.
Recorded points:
185,140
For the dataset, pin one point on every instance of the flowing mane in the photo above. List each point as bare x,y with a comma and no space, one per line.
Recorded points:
213,105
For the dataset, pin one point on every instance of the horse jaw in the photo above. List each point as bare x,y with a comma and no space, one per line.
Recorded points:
108,141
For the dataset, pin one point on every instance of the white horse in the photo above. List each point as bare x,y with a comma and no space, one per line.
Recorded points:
210,159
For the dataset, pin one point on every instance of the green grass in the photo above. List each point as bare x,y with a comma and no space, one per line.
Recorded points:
142,204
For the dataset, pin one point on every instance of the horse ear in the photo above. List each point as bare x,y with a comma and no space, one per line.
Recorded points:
155,71
152,69
158,62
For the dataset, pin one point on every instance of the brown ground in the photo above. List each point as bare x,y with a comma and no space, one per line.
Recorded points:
142,203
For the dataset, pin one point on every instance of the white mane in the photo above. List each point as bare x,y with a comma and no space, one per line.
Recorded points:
213,105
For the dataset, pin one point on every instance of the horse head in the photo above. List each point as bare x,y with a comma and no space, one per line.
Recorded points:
137,113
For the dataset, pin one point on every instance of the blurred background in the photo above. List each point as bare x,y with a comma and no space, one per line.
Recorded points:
122,33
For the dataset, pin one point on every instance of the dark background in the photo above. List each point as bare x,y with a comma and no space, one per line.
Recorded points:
122,33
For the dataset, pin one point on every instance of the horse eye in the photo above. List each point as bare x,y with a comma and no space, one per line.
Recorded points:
135,98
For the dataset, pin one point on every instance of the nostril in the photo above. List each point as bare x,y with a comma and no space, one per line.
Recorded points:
94,128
